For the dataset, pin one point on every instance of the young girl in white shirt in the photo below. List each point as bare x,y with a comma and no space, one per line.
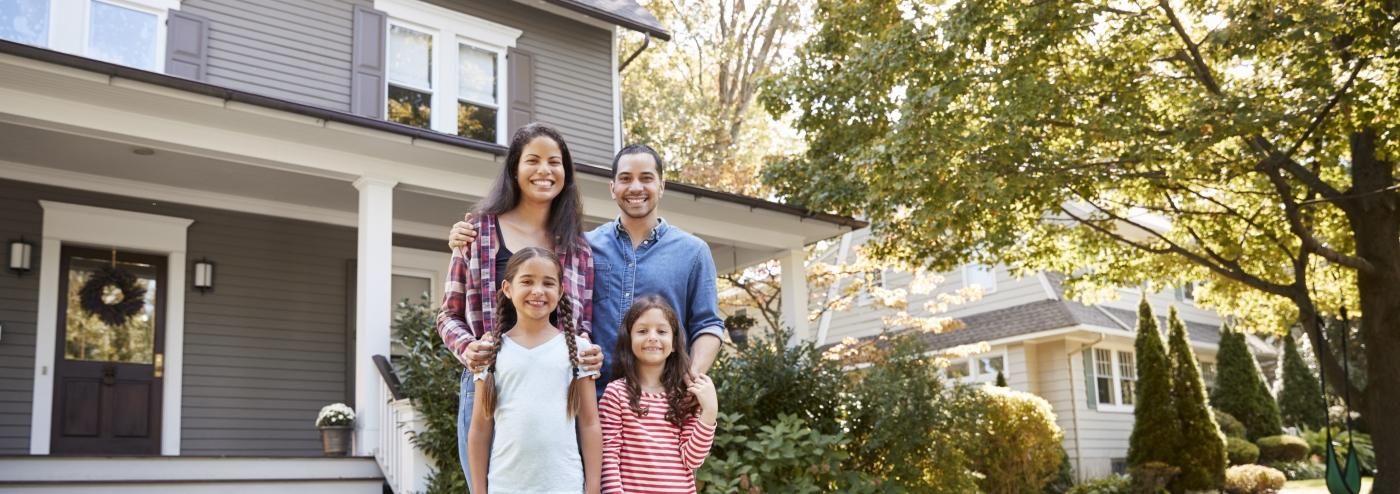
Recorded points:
522,437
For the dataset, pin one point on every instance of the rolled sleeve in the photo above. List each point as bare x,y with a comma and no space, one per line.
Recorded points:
703,307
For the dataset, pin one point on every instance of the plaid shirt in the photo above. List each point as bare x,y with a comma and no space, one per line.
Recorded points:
468,311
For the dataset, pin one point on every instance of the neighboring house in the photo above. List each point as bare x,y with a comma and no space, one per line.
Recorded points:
1078,357
310,154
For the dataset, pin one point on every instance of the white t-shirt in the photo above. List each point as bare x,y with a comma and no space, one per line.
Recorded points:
535,447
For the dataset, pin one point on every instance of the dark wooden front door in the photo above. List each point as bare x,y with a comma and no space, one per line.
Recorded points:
107,377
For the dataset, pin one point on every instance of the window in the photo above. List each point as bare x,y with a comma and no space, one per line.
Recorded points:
980,275
877,280
1119,466
977,369
1185,293
125,32
1208,375
446,70
1115,379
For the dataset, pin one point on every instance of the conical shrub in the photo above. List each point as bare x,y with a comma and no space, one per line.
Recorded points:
1202,451
1156,431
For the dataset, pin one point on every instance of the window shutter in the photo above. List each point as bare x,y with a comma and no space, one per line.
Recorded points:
521,92
367,63
187,46
1091,390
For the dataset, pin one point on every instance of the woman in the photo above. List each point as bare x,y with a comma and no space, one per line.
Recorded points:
534,203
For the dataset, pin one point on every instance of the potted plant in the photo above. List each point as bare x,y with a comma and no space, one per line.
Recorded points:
337,422
738,325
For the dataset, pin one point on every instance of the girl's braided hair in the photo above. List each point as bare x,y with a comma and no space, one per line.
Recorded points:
506,317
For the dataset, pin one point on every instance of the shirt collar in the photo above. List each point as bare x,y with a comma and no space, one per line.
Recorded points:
656,231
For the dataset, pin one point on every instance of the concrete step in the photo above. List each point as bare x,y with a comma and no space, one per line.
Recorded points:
186,474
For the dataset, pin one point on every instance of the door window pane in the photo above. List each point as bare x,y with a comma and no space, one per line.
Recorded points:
89,338
476,75
122,36
410,57
25,21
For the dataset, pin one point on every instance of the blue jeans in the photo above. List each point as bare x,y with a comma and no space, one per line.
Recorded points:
464,421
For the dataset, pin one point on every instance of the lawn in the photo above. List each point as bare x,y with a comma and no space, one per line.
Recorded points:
1317,486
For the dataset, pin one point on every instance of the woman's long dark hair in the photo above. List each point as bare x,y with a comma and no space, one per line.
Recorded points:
681,405
565,211
506,318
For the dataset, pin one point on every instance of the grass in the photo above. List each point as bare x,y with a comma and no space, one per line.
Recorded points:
1317,486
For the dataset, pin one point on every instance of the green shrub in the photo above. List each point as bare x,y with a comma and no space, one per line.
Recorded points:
769,378
1202,455
1116,484
1156,432
431,377
1064,477
1229,425
1017,443
1253,479
906,427
1282,448
1300,470
1153,476
1365,452
1240,388
782,456
1241,452
1300,398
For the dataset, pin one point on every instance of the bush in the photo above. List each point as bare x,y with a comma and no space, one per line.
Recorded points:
1017,444
1253,479
1300,470
1300,399
431,377
769,379
1365,452
1064,477
1116,484
1153,476
1282,448
1229,425
1241,452
1240,388
782,456
1202,455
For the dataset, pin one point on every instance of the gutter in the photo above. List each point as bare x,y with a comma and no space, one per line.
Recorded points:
1074,408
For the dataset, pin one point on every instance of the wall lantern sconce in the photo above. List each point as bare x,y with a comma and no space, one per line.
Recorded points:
203,275
21,256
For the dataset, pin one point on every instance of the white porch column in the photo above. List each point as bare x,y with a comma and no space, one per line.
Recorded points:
794,294
373,273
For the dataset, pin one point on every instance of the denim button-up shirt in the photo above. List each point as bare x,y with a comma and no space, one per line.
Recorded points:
670,262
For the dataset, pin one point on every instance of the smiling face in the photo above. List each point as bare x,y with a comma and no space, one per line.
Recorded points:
653,338
540,174
534,289
637,185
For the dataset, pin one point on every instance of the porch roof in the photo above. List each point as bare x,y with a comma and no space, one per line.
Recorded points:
239,96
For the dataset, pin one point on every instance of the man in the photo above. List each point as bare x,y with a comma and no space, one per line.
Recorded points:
639,254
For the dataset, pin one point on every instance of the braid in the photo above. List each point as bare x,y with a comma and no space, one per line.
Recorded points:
488,392
566,323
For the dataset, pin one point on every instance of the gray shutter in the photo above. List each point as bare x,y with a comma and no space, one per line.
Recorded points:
367,82
187,46
521,91
1091,389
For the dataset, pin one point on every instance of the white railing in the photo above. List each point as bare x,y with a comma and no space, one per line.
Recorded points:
405,467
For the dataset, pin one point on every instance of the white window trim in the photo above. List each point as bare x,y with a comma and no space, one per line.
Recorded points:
69,24
1116,386
76,224
866,297
449,29
967,268
974,373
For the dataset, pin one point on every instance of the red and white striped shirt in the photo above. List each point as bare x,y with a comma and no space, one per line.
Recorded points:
649,454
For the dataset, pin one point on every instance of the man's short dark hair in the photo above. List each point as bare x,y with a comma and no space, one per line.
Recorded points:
640,149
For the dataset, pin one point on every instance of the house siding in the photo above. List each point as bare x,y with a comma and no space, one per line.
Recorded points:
298,51
264,351
301,51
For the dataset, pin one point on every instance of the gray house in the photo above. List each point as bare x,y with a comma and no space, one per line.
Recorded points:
1078,357
255,181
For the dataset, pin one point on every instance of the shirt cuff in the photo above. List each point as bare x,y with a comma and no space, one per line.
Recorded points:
588,374
718,331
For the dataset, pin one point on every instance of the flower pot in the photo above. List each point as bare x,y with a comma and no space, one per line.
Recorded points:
740,337
335,440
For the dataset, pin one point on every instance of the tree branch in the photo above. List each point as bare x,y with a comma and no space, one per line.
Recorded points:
1327,109
1295,224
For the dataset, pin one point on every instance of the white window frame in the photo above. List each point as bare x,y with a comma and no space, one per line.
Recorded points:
989,269
974,371
450,29
866,297
69,25
1115,380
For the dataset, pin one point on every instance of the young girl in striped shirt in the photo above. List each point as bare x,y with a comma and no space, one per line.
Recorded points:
657,421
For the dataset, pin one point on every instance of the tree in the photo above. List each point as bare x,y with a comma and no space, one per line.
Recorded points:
1001,380
1299,399
1248,144
1240,390
693,97
1201,456
1156,431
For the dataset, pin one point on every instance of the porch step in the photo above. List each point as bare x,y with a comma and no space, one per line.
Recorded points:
185,474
